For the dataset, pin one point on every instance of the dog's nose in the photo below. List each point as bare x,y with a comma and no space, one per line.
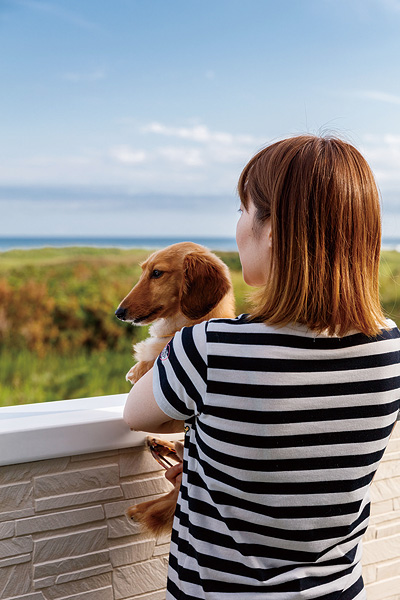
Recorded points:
121,313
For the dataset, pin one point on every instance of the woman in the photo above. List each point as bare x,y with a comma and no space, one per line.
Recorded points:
288,411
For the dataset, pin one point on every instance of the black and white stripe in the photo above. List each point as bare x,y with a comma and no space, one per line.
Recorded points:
287,429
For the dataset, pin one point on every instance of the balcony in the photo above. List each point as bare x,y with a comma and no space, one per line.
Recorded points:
70,470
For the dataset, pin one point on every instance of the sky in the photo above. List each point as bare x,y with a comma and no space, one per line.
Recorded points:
136,117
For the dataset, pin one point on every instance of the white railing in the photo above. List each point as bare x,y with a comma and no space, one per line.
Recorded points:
68,427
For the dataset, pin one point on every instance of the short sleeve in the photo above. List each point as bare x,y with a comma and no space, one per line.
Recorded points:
180,374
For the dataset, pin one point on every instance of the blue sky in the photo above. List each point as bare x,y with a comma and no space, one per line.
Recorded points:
135,117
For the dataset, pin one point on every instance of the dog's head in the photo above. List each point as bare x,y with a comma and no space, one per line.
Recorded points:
182,278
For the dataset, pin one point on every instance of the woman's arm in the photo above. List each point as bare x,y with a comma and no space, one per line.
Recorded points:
142,412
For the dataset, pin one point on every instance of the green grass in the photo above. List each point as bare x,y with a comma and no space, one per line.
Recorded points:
27,378
59,338
54,256
390,284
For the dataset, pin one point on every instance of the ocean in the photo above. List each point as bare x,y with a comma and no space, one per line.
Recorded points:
214,243
26,243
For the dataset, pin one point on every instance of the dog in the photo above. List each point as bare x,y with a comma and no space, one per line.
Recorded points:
180,286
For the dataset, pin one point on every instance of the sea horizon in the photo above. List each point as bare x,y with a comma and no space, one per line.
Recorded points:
227,244
144,242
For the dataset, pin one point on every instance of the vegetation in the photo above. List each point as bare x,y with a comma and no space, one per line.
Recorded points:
59,338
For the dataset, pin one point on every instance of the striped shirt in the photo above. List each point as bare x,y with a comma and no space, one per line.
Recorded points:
285,430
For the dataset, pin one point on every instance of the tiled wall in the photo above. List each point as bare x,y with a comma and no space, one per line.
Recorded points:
381,556
64,534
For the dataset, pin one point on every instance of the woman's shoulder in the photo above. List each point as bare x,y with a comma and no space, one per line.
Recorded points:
392,327
245,324
236,321
243,328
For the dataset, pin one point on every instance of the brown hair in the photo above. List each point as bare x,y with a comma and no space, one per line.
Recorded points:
323,202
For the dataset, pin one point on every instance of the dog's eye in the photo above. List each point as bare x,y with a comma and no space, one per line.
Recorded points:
156,274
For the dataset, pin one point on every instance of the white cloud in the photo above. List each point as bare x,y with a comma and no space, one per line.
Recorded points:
190,157
127,155
200,133
203,149
391,140
156,158
373,95
50,162
380,96
195,158
383,154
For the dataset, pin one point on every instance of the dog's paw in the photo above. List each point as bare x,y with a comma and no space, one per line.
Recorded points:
137,371
130,376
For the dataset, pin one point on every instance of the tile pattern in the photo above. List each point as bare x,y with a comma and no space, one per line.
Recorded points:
64,533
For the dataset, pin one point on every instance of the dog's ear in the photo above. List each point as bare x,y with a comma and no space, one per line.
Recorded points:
204,284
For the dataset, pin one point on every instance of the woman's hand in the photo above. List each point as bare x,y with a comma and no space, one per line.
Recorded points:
174,475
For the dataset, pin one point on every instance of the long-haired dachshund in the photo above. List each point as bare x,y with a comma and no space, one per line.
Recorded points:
180,286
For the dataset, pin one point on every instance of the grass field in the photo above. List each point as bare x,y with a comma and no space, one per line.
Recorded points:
59,338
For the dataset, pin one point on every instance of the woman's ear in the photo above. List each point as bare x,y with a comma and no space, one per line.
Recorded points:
204,284
270,238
